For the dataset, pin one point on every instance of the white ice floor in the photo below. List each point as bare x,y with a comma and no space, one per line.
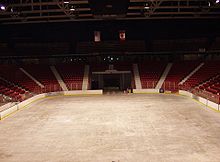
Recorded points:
122,128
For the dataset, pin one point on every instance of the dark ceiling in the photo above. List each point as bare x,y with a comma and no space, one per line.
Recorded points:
38,11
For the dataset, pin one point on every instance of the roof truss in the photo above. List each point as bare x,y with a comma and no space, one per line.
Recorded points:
36,11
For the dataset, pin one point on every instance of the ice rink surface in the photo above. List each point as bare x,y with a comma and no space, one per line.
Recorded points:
120,128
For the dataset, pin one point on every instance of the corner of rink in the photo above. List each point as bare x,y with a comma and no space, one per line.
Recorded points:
207,103
18,106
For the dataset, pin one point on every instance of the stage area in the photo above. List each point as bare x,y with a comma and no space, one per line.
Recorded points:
112,128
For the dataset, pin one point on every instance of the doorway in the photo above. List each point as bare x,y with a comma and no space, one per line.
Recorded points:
111,81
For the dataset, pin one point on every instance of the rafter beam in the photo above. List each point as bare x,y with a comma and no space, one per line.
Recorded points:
24,11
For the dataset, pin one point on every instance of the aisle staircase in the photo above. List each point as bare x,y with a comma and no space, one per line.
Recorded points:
163,76
31,77
59,79
192,73
137,79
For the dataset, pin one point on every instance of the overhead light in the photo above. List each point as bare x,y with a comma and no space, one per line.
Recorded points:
146,6
217,1
3,7
66,2
72,8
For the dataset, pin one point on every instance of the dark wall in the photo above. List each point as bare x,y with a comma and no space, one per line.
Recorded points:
136,29
73,32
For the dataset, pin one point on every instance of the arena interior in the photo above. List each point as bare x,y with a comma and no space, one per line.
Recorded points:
109,81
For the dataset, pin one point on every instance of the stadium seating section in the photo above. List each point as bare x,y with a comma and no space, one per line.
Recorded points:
209,70
212,85
150,73
178,72
13,74
17,86
45,76
72,75
12,91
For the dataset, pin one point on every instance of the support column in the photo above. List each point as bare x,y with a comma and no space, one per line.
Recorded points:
59,79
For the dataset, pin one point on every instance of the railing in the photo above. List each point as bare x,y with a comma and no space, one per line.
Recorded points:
174,86
202,93
21,97
48,88
39,90
74,86
170,86
56,87
167,86
149,85
26,96
186,87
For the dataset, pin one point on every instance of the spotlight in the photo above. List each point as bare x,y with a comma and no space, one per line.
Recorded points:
3,8
72,8
146,6
217,1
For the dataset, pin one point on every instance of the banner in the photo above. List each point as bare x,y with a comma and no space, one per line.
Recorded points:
122,35
97,36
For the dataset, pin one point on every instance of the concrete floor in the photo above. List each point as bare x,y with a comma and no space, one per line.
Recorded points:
125,128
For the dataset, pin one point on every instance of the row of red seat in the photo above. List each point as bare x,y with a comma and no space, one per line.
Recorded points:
150,73
177,73
208,70
12,91
212,85
72,75
43,74
13,74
